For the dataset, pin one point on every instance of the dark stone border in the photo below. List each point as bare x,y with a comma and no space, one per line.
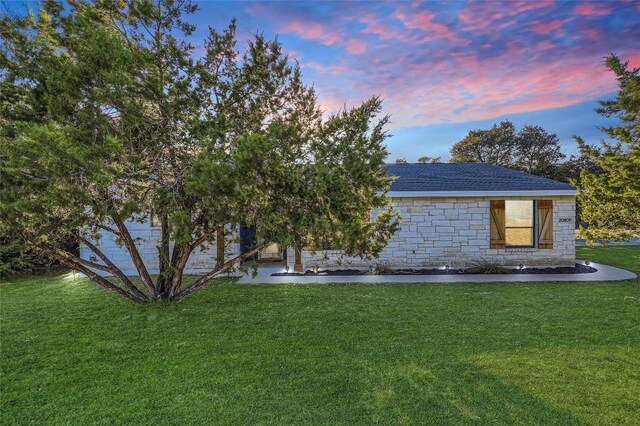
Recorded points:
578,269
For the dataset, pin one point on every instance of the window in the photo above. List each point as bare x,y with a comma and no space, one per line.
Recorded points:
156,220
519,223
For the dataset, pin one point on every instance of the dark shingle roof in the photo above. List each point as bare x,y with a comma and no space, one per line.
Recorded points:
467,177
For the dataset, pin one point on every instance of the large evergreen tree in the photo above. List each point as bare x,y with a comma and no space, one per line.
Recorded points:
610,200
106,116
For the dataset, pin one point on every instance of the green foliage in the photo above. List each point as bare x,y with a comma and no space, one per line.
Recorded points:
427,159
538,151
495,146
532,149
401,161
610,200
486,267
106,116
569,171
16,258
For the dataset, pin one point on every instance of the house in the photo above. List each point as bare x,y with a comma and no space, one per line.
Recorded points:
452,214
459,213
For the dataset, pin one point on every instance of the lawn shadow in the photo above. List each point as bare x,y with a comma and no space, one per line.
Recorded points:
459,393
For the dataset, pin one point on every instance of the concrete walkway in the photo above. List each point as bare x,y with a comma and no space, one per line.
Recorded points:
604,273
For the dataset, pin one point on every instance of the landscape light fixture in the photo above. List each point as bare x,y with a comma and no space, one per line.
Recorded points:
587,263
521,266
286,268
446,267
315,269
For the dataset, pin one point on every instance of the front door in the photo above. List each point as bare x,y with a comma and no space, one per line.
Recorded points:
247,240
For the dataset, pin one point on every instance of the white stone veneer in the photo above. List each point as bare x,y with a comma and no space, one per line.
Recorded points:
202,260
434,232
454,231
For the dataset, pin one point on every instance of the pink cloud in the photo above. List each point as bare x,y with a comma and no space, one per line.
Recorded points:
494,60
467,88
311,31
355,46
377,27
417,27
592,9
545,44
424,21
522,6
546,27
478,18
491,16
294,54
593,34
634,61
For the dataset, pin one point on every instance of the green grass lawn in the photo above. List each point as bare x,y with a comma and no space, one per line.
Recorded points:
565,353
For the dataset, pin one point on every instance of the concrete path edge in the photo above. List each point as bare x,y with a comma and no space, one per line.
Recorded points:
604,273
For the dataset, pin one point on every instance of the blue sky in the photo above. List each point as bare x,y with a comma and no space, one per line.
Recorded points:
435,140
444,68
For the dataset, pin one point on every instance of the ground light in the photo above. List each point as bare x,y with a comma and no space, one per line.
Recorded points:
587,263
71,276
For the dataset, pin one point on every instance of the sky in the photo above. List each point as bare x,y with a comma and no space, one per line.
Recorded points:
445,68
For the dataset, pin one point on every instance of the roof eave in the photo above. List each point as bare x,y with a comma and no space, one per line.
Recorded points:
452,194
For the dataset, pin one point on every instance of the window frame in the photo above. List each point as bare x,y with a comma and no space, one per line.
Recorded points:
154,217
533,227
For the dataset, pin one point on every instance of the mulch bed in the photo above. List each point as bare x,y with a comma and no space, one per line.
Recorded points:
578,269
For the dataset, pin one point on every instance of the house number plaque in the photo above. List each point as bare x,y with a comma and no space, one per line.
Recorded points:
566,219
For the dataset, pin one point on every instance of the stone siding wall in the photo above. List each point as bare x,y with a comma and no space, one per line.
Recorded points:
454,231
202,260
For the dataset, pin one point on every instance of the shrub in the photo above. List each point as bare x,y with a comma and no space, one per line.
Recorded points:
381,269
15,258
485,267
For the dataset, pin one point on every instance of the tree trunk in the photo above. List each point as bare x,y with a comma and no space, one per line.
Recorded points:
136,258
163,256
173,276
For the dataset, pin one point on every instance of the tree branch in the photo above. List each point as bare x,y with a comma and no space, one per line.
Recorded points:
205,279
135,256
74,262
108,229
179,259
202,238
117,272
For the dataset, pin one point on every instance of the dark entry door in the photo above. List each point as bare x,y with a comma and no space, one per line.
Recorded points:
247,239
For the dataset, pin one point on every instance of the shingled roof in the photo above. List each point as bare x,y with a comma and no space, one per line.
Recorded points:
468,177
